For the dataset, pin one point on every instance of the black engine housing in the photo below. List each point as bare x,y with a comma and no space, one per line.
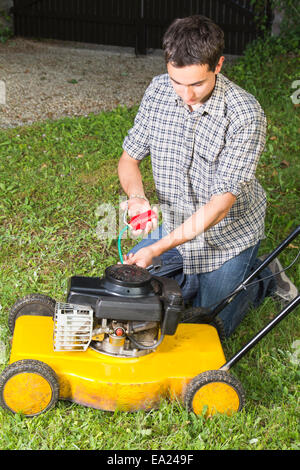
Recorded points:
130,293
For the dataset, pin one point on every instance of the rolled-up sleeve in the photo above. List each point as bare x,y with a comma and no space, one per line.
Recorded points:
239,158
136,143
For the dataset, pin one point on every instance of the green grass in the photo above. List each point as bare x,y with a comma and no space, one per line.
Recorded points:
54,176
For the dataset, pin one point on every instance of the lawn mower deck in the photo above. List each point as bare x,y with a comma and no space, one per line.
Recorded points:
102,381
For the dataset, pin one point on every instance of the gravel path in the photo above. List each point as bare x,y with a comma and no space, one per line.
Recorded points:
52,79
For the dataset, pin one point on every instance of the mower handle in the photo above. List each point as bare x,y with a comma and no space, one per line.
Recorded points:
208,318
291,306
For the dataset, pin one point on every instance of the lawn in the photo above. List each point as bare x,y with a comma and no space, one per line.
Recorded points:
54,177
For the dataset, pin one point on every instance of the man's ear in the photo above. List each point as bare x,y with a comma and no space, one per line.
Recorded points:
219,65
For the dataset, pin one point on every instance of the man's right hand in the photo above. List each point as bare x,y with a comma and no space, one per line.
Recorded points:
137,206
131,181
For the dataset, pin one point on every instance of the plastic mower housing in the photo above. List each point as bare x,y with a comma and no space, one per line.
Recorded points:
120,342
115,344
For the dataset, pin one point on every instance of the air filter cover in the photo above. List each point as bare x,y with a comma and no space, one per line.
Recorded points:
128,275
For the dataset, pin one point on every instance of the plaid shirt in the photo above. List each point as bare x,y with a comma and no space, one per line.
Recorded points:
195,155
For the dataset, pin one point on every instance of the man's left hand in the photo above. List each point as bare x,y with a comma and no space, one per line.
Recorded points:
142,258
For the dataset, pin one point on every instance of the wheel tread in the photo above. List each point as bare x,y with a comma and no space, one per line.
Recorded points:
31,299
212,376
33,366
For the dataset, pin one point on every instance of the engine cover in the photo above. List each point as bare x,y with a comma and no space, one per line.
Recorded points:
129,293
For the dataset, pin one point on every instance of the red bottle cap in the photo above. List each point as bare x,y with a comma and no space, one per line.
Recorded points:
139,222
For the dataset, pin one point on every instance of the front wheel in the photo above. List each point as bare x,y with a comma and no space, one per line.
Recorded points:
214,391
29,387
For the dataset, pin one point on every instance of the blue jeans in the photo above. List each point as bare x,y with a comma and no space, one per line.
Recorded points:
207,289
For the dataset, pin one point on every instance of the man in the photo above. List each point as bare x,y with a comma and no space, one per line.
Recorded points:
205,136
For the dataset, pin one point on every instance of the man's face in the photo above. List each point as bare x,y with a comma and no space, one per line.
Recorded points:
193,83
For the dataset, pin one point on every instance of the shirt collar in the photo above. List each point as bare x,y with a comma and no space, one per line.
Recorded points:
215,104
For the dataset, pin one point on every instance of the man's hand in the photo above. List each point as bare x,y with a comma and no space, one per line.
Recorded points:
137,206
131,181
142,258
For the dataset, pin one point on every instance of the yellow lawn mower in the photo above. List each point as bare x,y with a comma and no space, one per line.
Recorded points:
121,342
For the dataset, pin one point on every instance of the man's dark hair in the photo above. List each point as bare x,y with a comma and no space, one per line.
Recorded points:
193,40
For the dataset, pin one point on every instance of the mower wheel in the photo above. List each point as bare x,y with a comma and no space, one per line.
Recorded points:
219,326
214,391
196,315
32,304
29,387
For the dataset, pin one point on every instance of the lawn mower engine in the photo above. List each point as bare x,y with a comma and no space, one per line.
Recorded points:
126,313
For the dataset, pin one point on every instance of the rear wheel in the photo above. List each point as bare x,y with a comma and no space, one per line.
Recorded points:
32,304
196,315
218,324
29,387
214,391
